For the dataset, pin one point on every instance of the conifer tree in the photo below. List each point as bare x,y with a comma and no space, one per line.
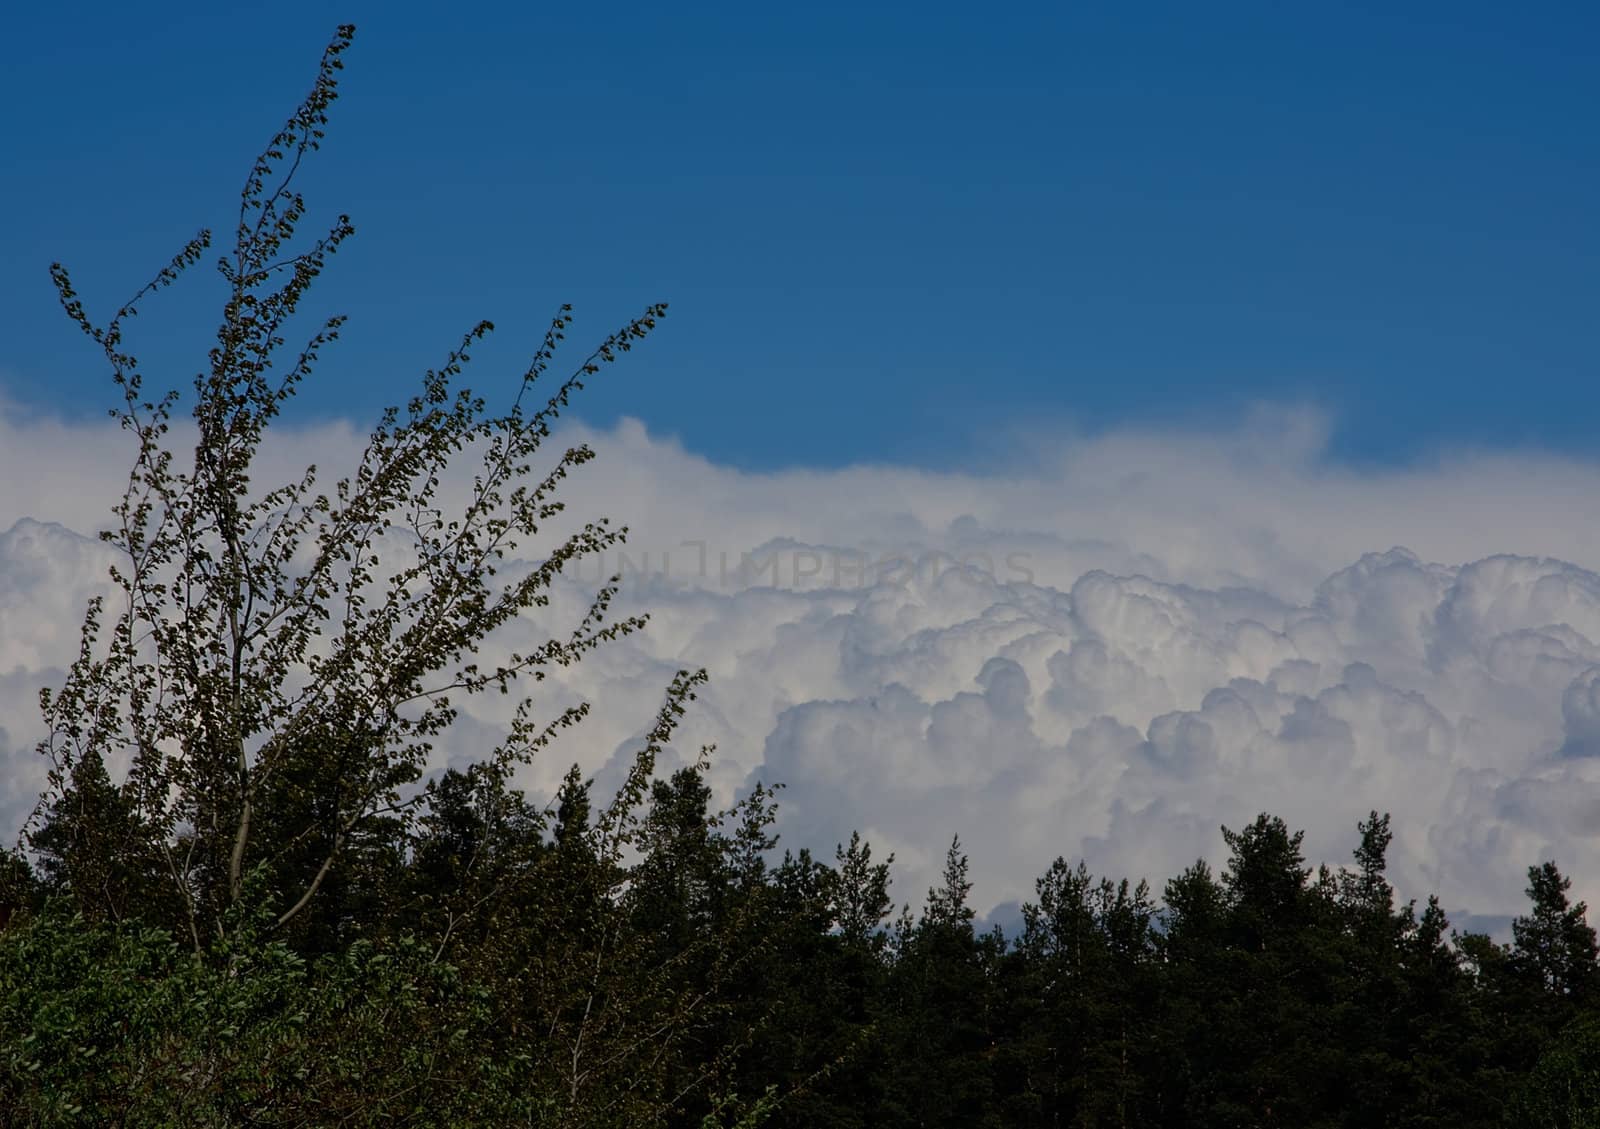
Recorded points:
939,1022
862,902
1554,942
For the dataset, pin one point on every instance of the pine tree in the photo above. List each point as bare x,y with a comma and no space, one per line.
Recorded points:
91,847
1196,1001
1090,947
1275,1063
861,902
1554,943
938,1036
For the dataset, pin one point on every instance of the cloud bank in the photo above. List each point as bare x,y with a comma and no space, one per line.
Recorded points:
1103,649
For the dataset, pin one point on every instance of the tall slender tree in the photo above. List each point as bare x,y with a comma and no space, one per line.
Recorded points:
1554,942
278,657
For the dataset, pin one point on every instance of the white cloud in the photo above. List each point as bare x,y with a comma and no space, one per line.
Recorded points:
1106,649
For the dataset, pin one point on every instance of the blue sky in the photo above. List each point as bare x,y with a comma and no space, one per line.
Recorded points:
1079,243
908,234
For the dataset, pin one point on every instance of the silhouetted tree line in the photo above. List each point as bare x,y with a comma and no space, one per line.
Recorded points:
498,963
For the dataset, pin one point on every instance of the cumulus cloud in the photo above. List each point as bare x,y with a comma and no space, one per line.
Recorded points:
1102,650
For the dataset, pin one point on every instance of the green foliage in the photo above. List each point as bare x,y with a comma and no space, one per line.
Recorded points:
1563,1090
119,1024
863,903
356,947
1555,944
530,974
282,655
